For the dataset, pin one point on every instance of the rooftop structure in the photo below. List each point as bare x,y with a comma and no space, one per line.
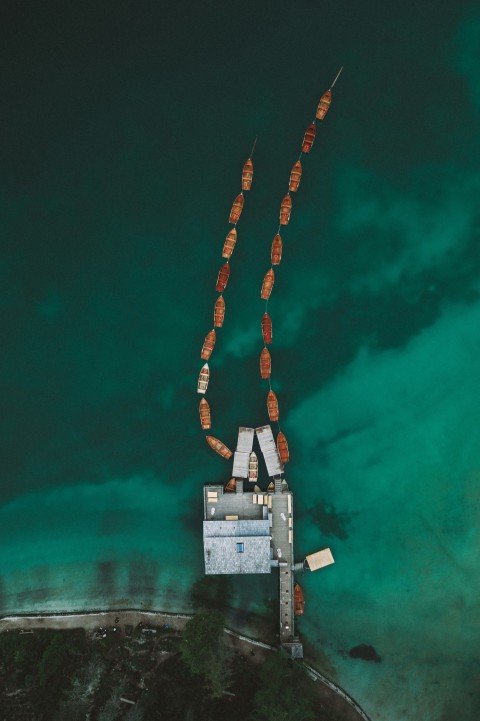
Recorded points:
236,533
269,450
242,454
320,559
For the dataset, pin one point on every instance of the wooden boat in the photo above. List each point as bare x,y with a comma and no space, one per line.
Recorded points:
265,363
257,489
267,329
231,486
295,175
219,447
276,254
208,345
324,105
299,600
282,447
247,175
223,276
236,210
267,284
205,418
203,379
285,209
308,138
229,244
219,312
271,487
272,406
252,467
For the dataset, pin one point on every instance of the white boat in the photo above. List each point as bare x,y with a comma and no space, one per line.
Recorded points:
203,379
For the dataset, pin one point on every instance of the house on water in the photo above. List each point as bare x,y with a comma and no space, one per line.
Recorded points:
251,531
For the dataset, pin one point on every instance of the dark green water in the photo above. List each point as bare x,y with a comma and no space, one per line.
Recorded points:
123,131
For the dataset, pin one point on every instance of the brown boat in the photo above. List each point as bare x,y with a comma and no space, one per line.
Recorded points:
299,600
272,406
237,208
223,276
205,418
203,379
324,104
276,254
208,345
309,137
247,175
229,244
253,468
295,175
219,447
267,284
282,447
285,209
267,329
265,363
231,486
219,312
271,487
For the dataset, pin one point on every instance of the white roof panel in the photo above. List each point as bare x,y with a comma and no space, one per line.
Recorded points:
245,439
269,450
242,454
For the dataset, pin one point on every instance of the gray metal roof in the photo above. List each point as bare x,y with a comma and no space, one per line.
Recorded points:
269,450
221,554
220,539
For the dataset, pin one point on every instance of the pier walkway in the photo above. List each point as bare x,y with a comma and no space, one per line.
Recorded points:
283,553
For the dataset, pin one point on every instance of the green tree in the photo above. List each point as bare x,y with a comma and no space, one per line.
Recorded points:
204,650
53,661
286,693
111,709
135,714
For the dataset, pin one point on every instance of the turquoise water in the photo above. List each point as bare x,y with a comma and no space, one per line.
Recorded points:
123,135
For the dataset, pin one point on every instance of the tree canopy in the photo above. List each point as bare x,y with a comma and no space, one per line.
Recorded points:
204,650
286,693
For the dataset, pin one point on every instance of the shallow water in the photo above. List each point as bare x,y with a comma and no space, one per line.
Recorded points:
123,140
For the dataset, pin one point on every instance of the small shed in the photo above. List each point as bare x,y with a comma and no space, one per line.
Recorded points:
320,559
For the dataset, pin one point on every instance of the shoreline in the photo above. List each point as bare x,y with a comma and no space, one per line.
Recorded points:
91,620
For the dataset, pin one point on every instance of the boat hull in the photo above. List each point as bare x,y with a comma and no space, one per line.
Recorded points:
324,105
203,378
276,254
236,210
265,363
267,329
219,447
272,406
205,417
309,138
208,345
295,175
299,600
247,175
223,276
285,209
